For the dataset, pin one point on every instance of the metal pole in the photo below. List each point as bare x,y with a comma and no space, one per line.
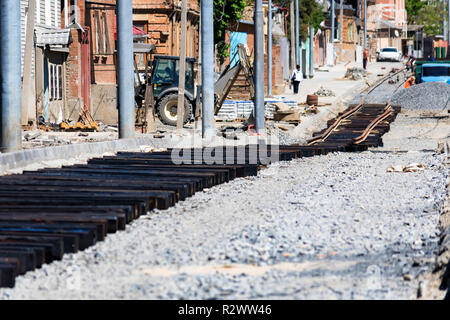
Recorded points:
332,22
444,29
292,29
28,98
297,27
341,21
182,69
10,76
365,24
126,72
207,25
332,30
389,34
269,49
259,67
311,51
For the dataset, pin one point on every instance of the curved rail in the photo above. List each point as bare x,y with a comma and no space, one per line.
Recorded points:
331,128
338,121
388,111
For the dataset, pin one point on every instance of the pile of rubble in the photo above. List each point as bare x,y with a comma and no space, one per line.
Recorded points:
38,139
423,96
323,92
355,73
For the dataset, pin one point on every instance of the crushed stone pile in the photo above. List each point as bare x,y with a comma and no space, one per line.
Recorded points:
355,73
324,92
423,96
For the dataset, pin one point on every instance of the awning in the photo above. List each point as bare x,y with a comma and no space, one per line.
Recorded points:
144,48
137,33
53,37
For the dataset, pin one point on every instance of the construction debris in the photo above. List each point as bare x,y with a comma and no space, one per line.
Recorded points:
152,149
355,73
281,106
32,136
323,92
85,123
311,110
413,167
291,115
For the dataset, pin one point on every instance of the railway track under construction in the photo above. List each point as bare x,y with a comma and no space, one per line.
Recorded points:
49,212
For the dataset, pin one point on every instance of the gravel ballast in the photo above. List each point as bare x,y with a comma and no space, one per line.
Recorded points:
423,96
329,227
335,226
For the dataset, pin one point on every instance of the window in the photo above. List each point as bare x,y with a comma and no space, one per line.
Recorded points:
389,50
436,71
55,86
350,32
48,13
338,36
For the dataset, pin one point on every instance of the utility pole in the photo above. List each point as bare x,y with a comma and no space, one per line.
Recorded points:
125,97
311,51
259,67
444,28
182,69
292,29
10,74
365,24
297,27
28,98
332,30
207,26
269,49
341,19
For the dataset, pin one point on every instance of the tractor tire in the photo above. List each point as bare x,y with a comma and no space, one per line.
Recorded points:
167,109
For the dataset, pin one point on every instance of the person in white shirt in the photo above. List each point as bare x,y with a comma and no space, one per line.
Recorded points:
296,78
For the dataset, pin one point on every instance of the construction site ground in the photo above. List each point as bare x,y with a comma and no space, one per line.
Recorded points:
331,78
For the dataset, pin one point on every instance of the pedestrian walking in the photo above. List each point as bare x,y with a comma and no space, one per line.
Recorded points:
296,78
365,56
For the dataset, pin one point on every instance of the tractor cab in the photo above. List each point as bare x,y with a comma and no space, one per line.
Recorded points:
165,74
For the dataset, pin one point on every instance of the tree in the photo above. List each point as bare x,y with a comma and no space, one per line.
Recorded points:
310,12
431,16
226,13
413,8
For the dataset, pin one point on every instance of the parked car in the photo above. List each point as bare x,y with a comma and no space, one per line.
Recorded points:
389,53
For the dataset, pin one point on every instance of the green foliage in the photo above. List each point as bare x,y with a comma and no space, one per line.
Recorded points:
413,8
226,13
431,16
310,14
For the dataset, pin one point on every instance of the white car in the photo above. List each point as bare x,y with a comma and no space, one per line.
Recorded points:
389,53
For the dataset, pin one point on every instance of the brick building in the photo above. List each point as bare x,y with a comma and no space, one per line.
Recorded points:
387,19
244,32
90,65
161,20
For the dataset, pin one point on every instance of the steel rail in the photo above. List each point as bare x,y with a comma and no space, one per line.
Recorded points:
373,124
331,128
349,113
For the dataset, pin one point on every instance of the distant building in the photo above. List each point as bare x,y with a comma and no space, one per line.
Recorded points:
387,20
49,45
243,32
74,55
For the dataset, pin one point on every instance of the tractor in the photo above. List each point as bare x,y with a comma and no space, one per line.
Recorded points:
156,87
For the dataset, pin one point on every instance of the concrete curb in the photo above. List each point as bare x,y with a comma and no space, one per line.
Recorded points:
443,260
26,157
